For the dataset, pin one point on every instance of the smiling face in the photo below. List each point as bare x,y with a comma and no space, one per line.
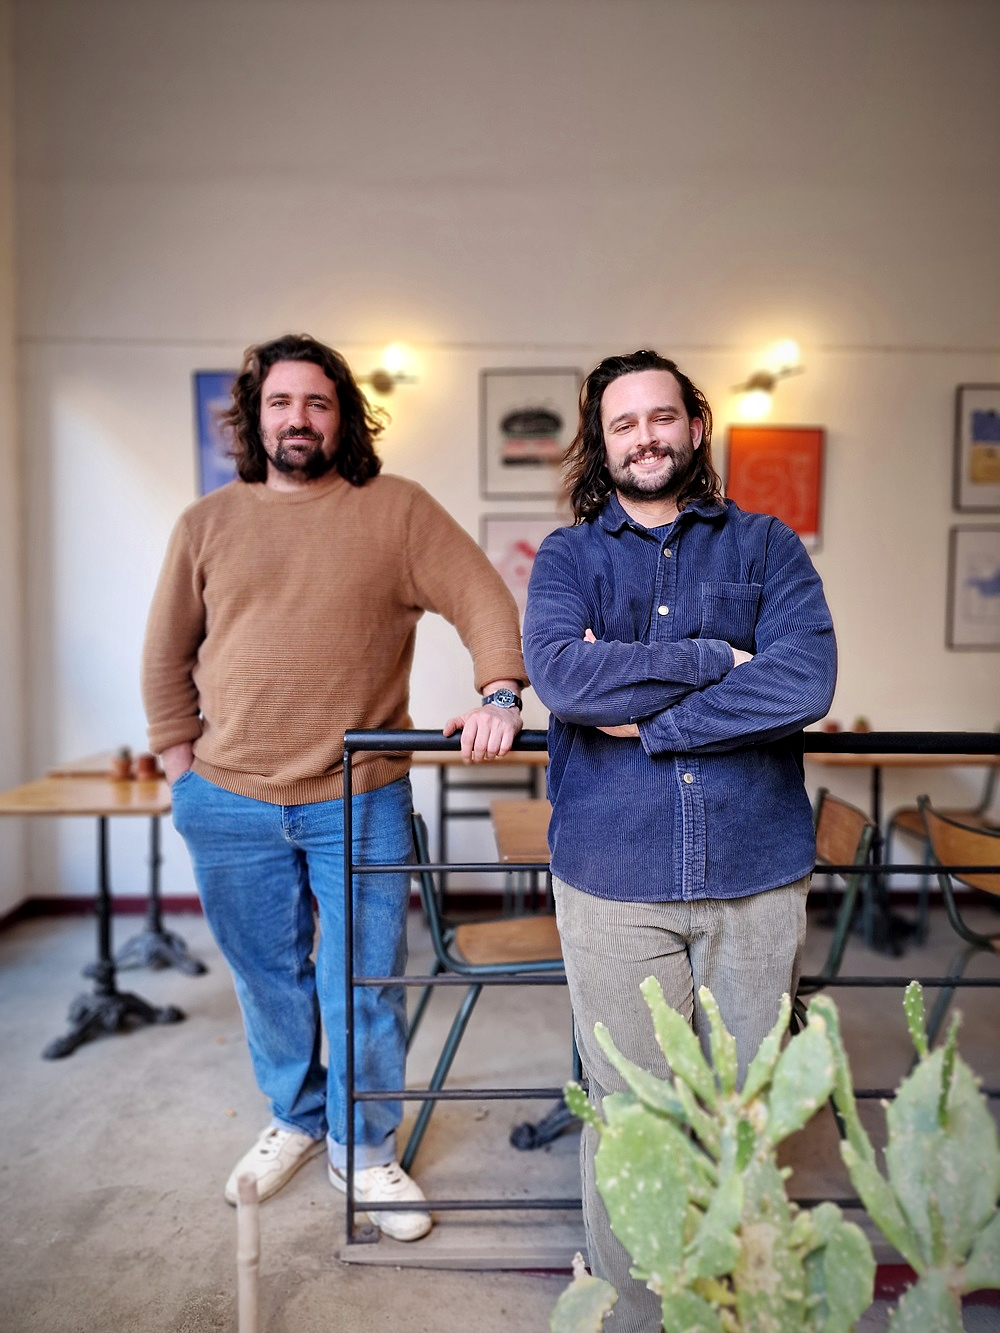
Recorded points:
649,439
299,423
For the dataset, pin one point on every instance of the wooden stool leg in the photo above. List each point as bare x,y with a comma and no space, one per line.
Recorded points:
247,1254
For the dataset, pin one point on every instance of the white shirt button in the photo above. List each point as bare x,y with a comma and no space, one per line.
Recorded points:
663,610
688,778
667,552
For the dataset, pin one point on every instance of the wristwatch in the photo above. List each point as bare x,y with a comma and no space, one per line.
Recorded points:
503,698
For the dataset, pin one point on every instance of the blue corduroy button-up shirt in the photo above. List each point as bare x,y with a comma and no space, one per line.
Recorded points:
709,802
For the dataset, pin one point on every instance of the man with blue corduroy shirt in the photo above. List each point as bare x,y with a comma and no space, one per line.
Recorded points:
680,645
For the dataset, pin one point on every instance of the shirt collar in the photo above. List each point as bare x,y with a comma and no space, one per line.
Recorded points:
613,517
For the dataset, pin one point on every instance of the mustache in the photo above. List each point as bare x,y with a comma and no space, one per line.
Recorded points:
299,433
656,450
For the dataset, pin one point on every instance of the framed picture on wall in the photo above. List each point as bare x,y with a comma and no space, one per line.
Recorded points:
778,470
526,420
511,541
212,396
977,448
974,588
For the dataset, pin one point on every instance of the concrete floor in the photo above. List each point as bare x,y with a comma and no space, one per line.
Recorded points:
114,1158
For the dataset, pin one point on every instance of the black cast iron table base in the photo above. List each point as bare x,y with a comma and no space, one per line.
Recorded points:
158,948
529,1136
107,1009
106,1012
154,946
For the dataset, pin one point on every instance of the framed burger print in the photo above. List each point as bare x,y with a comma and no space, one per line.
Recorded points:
778,470
527,419
976,483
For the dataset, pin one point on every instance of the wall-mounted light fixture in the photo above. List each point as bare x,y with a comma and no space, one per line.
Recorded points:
391,372
756,391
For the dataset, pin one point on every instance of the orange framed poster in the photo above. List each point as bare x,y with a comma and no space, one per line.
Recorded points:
779,470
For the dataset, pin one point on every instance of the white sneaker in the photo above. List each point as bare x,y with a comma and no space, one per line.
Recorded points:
386,1184
273,1159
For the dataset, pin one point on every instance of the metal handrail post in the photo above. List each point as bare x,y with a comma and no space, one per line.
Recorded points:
349,1071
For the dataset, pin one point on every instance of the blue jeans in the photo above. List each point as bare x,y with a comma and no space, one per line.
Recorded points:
258,867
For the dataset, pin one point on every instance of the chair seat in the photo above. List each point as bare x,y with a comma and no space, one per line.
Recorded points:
910,820
522,948
526,939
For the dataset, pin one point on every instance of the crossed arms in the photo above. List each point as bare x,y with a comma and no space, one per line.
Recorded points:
685,695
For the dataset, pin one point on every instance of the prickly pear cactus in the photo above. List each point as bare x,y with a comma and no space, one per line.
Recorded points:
937,1202
583,1304
688,1173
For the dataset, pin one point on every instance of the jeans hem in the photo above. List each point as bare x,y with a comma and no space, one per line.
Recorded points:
291,1128
365,1154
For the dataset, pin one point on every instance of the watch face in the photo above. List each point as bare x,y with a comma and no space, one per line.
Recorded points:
503,698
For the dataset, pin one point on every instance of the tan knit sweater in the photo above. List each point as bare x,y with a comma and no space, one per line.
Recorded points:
283,618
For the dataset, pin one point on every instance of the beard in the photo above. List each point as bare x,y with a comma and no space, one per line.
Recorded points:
665,485
288,456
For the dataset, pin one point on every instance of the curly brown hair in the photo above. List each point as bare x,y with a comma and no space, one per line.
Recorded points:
360,423
585,470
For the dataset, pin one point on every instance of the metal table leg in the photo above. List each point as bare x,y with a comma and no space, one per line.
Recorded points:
558,1120
885,931
106,1009
153,946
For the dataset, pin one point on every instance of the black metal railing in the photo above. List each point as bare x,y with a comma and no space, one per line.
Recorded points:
873,743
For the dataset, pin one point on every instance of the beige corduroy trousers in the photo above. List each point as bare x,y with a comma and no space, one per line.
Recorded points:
745,950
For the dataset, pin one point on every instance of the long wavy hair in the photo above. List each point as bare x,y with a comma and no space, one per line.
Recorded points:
360,423
588,481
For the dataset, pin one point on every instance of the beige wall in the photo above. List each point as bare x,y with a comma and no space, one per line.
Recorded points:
495,182
12,834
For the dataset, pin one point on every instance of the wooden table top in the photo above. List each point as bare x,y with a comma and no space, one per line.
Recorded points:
90,766
86,796
520,829
94,765
902,760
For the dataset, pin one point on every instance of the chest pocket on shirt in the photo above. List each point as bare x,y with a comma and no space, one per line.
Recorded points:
729,611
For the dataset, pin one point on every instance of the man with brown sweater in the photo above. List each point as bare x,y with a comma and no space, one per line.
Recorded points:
285,614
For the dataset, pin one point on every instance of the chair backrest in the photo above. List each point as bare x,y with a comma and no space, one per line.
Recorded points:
843,838
428,889
843,832
956,844
989,789
521,943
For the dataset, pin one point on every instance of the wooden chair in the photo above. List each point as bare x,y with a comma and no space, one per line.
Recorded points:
952,842
843,838
909,821
512,945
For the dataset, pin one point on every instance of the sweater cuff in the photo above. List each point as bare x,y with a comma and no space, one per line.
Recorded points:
510,667
164,734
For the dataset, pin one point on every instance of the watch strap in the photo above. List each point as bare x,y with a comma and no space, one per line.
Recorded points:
503,698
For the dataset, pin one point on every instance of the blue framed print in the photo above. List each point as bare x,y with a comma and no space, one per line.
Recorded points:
976,484
974,588
212,397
